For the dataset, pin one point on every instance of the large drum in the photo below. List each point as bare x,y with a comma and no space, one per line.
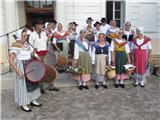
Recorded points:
35,70
55,59
50,58
62,61
51,74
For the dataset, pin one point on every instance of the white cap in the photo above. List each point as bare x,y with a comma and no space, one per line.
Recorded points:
140,30
46,24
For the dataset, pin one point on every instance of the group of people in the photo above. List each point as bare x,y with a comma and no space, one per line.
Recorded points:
91,49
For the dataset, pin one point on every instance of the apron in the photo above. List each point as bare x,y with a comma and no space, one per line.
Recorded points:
140,57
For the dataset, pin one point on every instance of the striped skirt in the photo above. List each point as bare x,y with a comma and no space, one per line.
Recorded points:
22,97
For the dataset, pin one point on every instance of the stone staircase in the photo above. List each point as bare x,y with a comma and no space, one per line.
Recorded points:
63,80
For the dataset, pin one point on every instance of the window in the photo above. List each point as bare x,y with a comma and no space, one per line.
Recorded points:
115,10
40,4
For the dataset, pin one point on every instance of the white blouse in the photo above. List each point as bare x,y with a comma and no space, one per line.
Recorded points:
112,47
139,42
112,30
78,49
60,33
104,28
38,43
21,53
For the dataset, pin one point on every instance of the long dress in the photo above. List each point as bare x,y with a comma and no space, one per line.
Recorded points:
101,60
82,54
24,91
140,47
121,48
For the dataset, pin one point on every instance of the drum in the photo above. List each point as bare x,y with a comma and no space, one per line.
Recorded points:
50,58
51,74
62,60
35,70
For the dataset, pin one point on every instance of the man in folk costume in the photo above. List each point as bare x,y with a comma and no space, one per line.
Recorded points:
39,40
82,58
101,50
120,57
141,45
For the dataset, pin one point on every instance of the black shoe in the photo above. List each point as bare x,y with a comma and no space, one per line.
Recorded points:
135,85
32,104
116,85
96,86
104,86
54,89
43,91
86,87
142,86
25,109
80,87
122,85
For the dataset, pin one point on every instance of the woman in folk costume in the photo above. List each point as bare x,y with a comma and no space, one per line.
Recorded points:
26,92
101,50
120,56
60,40
72,36
141,45
128,33
112,31
83,59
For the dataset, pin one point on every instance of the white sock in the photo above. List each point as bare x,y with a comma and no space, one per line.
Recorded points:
142,82
80,82
117,82
97,83
136,81
35,102
84,83
104,82
25,107
121,81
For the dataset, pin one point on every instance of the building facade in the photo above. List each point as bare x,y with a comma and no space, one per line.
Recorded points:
15,13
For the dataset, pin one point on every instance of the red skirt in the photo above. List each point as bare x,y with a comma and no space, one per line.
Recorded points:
140,59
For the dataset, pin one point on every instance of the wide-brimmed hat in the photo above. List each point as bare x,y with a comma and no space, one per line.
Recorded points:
96,23
75,23
103,20
39,21
89,19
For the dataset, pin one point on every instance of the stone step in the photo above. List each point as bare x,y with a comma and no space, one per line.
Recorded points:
63,80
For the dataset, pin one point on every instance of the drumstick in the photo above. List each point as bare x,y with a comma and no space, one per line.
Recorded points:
30,71
31,44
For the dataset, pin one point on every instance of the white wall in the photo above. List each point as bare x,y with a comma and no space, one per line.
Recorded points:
146,14
9,23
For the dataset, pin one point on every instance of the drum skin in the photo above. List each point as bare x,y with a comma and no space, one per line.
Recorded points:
50,58
51,74
35,70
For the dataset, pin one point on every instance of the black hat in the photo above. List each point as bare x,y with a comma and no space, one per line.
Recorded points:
96,23
89,19
39,21
54,21
103,20
75,23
